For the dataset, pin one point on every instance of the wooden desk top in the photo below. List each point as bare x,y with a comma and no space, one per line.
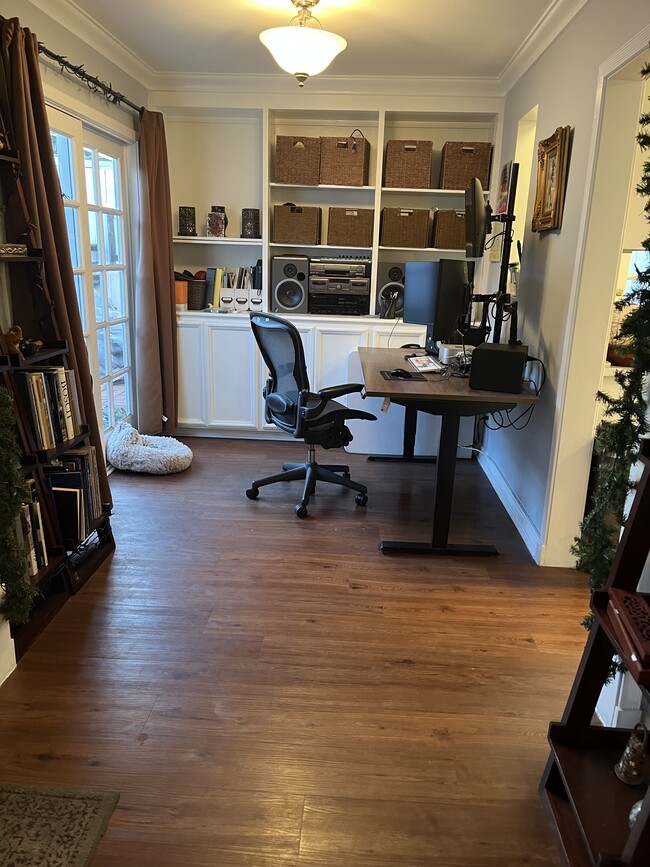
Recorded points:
432,388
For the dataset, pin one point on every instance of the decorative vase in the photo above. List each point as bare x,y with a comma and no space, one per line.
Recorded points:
187,221
250,223
217,222
629,768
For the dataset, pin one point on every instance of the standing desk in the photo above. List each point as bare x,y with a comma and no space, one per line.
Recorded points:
451,399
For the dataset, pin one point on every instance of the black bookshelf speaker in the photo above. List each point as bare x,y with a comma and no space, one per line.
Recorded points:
390,290
498,367
289,282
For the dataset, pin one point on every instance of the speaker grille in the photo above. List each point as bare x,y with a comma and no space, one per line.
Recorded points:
289,294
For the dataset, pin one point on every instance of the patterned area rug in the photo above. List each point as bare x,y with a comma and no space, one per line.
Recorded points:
48,826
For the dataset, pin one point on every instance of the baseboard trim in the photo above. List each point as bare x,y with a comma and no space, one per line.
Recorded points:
513,506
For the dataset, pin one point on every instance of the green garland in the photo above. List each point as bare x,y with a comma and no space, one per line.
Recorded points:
624,422
18,593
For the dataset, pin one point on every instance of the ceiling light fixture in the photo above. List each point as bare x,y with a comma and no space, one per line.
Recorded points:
302,50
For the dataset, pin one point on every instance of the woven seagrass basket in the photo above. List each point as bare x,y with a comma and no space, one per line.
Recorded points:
344,161
350,227
297,160
408,164
296,225
449,230
405,227
463,160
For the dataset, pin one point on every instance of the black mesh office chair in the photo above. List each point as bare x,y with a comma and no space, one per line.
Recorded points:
290,405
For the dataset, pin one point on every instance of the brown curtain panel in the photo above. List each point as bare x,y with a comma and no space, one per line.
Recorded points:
155,305
23,107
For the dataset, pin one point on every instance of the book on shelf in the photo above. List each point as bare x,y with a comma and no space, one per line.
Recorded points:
68,494
36,517
28,539
50,398
83,459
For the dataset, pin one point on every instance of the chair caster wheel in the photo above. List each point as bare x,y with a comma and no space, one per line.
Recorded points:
301,511
252,493
361,499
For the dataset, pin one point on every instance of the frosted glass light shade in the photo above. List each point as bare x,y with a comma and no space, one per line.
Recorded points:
302,50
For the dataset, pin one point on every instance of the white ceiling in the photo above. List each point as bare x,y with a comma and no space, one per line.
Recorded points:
419,38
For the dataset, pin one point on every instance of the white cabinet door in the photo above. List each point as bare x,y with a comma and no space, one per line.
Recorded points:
233,376
333,345
191,375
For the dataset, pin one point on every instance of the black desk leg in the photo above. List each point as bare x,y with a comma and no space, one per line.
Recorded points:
450,425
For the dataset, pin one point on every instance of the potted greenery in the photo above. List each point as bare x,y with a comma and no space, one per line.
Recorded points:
18,592
625,417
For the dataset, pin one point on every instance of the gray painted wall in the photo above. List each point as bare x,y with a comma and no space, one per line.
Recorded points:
563,84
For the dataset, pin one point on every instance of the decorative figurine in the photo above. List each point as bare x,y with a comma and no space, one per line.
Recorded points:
217,222
12,338
629,768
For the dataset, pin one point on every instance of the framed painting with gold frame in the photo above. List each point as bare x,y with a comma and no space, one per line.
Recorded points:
552,166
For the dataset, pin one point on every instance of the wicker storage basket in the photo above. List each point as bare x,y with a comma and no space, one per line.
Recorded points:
296,225
297,159
350,227
196,294
344,161
408,163
405,227
463,160
449,230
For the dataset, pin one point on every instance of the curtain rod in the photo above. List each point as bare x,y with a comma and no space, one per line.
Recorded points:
95,84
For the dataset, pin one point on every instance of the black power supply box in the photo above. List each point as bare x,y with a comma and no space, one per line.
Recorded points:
498,367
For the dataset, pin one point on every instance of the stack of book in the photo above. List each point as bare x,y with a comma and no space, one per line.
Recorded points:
51,400
30,530
74,483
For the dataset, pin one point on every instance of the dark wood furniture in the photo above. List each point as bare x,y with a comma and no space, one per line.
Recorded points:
451,399
587,804
28,303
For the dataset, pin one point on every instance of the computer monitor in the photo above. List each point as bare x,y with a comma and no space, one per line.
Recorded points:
437,294
477,220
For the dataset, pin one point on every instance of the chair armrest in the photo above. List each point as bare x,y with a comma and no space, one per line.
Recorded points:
324,395
334,391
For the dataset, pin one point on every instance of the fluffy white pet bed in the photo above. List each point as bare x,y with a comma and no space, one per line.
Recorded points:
127,449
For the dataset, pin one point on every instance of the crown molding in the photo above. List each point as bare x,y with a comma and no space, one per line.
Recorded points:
352,86
81,25
548,28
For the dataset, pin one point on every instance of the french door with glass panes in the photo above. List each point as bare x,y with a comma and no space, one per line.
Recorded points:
92,172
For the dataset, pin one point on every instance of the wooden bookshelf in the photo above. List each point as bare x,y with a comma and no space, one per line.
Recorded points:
586,802
68,566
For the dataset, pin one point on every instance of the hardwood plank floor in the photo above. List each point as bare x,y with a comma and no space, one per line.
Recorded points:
270,692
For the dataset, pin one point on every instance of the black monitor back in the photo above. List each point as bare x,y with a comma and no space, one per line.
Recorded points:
436,294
